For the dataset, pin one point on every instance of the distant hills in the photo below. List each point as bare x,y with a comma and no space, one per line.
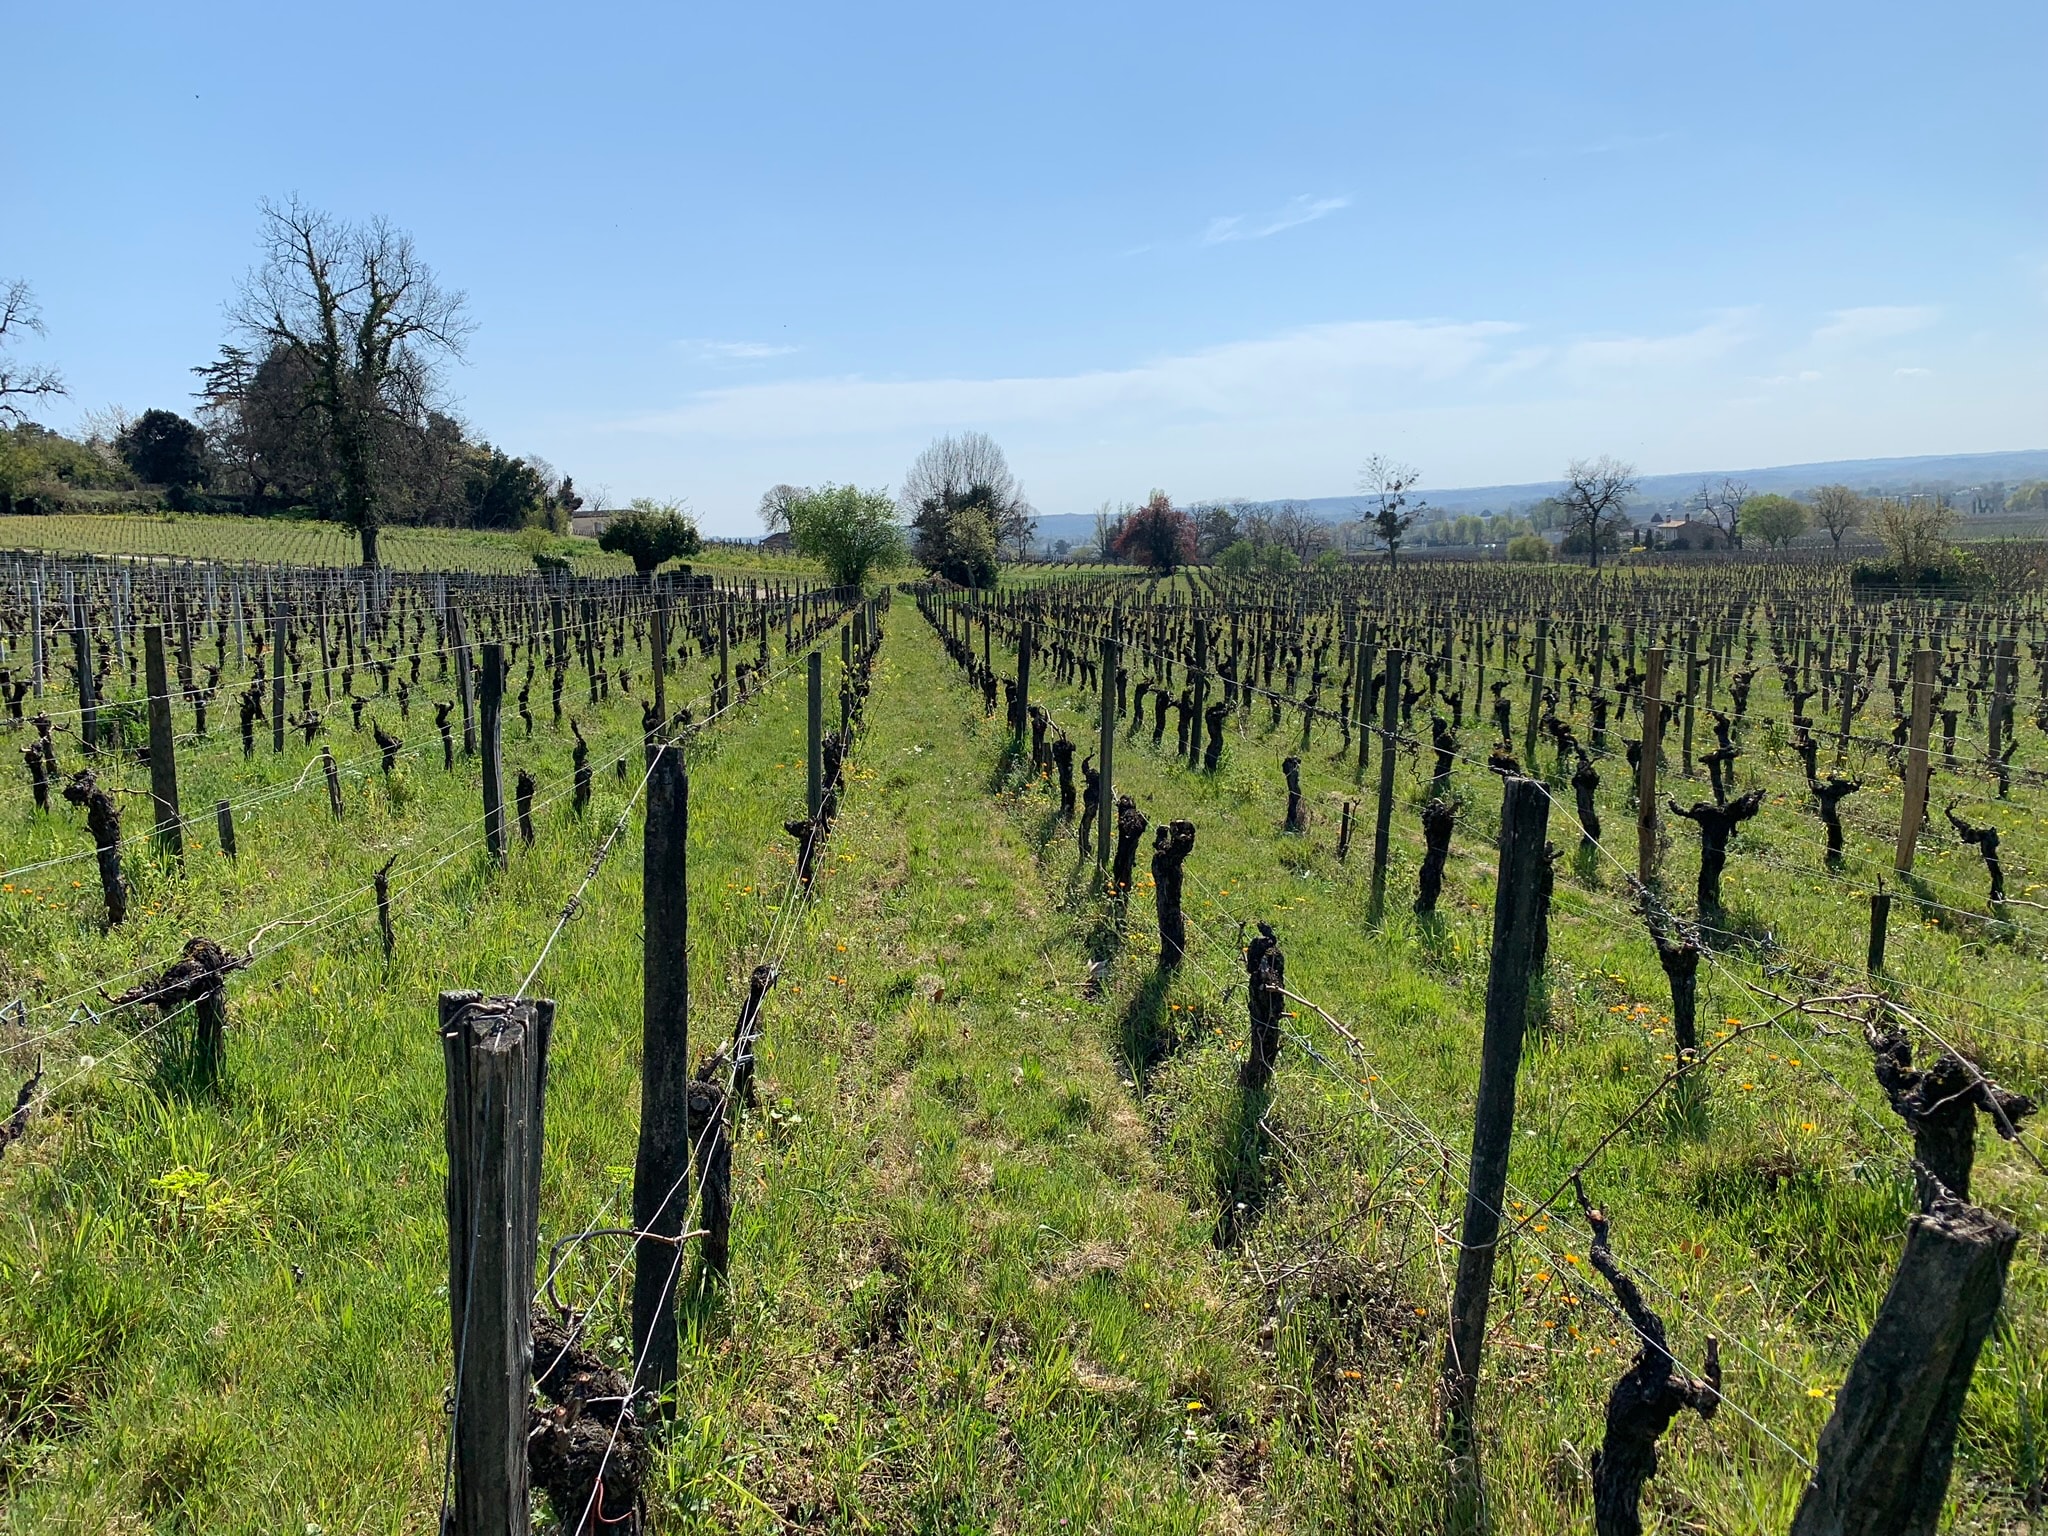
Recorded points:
1954,473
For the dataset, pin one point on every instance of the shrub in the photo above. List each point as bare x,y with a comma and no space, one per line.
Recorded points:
852,531
650,533
1531,548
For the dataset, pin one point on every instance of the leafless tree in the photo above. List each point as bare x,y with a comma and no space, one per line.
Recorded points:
20,315
1722,505
969,471
775,504
1837,509
368,326
1109,527
1595,499
1295,527
1386,484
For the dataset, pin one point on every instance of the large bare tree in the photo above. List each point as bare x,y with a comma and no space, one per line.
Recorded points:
968,472
367,327
1595,499
1838,509
20,315
1722,505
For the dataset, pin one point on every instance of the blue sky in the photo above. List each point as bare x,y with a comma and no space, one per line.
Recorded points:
1221,250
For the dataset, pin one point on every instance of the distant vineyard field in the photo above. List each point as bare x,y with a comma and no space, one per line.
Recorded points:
283,541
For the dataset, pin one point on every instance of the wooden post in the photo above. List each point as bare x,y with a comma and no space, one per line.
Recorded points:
1200,679
1535,693
495,1051
724,693
465,682
1646,770
661,1168
224,823
1912,811
163,762
1913,806
1383,817
35,627
1023,711
1692,683
88,688
1884,1455
2001,709
1105,755
494,781
1517,922
658,625
280,629
814,729
1361,707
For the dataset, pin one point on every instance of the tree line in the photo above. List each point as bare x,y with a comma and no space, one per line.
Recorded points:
328,399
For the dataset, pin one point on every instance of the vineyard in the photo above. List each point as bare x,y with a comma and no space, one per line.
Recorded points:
1386,1049
303,542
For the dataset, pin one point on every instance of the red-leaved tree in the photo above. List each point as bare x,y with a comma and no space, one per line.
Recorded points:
1158,535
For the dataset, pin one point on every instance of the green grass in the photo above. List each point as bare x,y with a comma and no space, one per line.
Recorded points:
977,1279
295,542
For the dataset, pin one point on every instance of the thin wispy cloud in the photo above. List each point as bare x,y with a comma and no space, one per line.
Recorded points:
734,351
1612,144
1358,360
1875,322
1292,214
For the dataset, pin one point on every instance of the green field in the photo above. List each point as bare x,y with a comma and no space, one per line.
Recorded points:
288,541
1013,1251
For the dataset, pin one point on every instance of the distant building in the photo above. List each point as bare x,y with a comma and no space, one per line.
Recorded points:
590,522
779,543
1686,533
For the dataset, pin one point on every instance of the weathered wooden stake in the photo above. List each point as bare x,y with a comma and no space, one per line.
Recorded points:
1383,816
814,716
1885,1453
1652,706
224,823
494,780
163,762
495,1051
280,630
465,682
1913,806
1517,918
661,1168
1105,751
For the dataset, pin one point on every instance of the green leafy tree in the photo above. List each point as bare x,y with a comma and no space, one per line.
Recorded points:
1158,535
1239,559
1914,533
650,532
500,491
1278,560
1530,548
1775,519
1328,560
163,448
853,532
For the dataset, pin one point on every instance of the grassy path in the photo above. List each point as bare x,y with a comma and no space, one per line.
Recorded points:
966,1300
